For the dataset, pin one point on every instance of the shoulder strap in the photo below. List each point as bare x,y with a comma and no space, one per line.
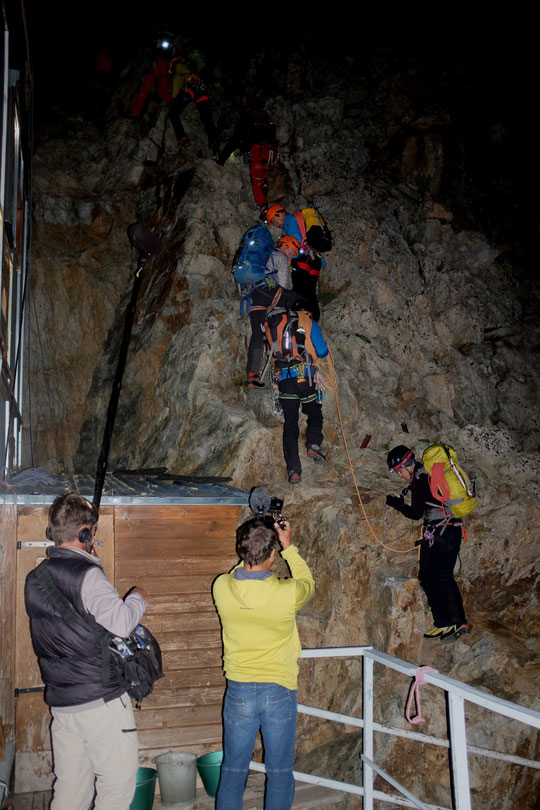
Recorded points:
301,223
67,611
305,322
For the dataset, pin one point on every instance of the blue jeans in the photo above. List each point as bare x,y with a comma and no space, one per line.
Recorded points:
248,707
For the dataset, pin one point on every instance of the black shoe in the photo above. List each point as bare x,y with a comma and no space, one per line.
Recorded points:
315,452
254,382
294,478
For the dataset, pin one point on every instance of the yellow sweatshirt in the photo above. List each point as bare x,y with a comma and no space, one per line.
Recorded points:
258,618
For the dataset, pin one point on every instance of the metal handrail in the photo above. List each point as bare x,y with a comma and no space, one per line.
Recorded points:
458,693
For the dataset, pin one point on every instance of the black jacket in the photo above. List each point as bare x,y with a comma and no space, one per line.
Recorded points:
420,494
75,663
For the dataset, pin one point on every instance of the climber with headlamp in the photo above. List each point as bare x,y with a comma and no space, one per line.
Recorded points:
159,73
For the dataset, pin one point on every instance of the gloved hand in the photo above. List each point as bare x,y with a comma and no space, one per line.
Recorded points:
394,501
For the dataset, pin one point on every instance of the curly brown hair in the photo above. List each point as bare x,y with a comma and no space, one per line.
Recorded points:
255,541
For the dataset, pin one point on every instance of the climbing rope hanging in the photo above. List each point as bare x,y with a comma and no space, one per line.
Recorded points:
328,378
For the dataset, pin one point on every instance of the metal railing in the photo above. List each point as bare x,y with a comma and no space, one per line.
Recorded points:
457,693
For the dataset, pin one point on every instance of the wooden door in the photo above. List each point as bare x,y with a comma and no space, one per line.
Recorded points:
175,553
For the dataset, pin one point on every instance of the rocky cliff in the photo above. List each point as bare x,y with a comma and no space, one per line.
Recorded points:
431,317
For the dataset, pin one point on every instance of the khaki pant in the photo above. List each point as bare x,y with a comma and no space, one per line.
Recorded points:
96,750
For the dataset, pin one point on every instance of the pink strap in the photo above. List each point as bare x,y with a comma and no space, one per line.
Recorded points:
414,692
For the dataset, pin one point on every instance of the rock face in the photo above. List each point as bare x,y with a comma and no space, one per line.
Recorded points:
433,334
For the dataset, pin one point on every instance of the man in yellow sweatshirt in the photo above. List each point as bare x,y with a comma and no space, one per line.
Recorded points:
260,657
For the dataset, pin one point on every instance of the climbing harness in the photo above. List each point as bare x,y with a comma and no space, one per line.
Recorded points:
414,694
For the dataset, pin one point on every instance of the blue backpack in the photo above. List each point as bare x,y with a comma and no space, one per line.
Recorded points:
249,263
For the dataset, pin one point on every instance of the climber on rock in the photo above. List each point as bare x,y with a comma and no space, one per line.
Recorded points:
307,226
296,343
190,75
255,135
158,74
439,546
272,290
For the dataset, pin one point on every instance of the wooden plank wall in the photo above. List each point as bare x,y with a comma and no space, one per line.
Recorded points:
8,540
175,553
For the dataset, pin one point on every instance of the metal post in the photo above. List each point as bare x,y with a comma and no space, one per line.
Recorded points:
458,751
367,736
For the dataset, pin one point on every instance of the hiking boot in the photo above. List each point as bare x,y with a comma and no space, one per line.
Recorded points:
294,478
254,382
435,632
183,142
315,452
453,633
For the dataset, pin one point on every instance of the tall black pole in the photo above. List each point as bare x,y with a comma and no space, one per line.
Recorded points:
148,245
103,459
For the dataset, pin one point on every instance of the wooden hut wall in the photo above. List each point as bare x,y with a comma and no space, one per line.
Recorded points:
174,552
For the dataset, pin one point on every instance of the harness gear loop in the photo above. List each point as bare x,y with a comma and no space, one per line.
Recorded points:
414,693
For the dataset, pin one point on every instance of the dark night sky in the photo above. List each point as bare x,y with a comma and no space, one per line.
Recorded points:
481,69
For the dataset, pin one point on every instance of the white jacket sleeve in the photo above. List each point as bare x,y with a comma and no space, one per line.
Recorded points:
102,601
278,263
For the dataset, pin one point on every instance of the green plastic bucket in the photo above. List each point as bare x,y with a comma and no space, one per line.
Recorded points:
209,767
145,790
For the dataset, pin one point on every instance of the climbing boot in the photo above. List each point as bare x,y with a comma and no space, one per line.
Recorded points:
453,633
253,381
435,632
294,477
315,452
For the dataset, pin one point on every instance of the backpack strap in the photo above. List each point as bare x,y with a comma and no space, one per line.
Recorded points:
305,323
67,611
438,483
300,221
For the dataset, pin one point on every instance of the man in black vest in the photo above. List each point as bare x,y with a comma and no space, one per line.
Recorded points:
94,739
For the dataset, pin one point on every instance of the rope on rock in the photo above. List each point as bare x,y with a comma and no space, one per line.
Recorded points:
329,380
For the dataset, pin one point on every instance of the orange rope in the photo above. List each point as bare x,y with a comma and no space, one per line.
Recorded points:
328,374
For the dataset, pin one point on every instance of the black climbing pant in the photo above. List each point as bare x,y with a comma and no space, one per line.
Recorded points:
305,285
436,575
260,299
293,395
184,97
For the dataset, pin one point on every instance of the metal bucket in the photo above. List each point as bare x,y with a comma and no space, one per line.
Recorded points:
177,776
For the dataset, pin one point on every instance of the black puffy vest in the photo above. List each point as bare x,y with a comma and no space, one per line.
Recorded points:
73,661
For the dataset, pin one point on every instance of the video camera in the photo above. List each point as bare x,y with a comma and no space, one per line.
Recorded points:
265,507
